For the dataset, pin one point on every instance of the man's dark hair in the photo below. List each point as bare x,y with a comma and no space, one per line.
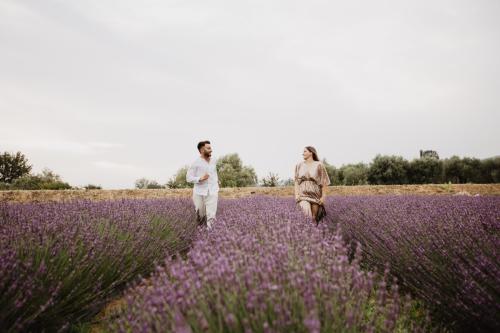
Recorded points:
202,144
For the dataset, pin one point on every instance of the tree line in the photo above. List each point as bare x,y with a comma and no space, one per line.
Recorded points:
383,170
15,173
393,170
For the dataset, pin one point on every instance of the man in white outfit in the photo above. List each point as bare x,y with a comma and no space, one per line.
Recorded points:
203,173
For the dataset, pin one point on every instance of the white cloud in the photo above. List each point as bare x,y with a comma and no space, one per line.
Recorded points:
134,85
114,166
59,146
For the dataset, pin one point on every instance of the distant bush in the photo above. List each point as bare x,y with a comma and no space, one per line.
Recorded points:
271,180
144,183
15,175
388,170
336,176
490,170
92,187
347,174
355,174
47,180
232,173
286,182
13,167
426,170
179,179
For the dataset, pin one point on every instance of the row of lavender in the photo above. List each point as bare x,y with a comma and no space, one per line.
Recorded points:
444,250
59,263
265,268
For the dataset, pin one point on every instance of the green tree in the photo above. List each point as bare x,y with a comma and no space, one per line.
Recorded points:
46,180
144,183
179,179
141,183
232,173
154,185
490,170
471,170
336,175
13,166
387,170
354,174
271,180
92,187
425,170
287,182
453,170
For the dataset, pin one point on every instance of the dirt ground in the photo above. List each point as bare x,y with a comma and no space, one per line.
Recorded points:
67,195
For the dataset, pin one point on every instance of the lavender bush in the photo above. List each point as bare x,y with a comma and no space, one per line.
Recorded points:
60,262
265,268
444,249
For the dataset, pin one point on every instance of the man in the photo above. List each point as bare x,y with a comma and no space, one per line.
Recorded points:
203,173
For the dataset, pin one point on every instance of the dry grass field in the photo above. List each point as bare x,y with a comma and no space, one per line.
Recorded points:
65,195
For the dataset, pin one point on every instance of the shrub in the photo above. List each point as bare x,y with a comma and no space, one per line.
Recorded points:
144,183
232,173
355,174
388,170
271,180
13,167
179,179
425,170
46,180
92,187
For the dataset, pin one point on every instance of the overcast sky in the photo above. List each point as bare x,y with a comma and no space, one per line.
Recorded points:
106,92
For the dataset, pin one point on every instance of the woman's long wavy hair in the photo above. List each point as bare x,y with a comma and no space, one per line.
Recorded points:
314,152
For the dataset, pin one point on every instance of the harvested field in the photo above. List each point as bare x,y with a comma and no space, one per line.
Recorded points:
64,195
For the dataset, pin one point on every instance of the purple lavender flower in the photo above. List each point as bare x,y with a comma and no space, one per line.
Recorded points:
265,268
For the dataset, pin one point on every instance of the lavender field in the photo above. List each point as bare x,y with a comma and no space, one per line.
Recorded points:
376,264
60,263
444,250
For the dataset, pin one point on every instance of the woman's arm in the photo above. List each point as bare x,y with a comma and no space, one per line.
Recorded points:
296,190
296,184
323,194
325,181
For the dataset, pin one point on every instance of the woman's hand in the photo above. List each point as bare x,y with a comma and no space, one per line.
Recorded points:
322,201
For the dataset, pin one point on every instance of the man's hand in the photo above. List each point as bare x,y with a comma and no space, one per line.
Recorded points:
204,177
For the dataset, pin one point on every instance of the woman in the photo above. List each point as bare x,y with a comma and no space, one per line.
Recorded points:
310,179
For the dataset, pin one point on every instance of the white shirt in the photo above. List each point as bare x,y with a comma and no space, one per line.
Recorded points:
198,169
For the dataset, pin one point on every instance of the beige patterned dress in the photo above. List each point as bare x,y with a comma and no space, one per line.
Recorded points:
309,181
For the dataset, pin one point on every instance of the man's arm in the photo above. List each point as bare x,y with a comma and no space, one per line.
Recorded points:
190,175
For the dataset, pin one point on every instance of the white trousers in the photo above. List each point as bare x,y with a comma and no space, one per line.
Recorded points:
206,207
